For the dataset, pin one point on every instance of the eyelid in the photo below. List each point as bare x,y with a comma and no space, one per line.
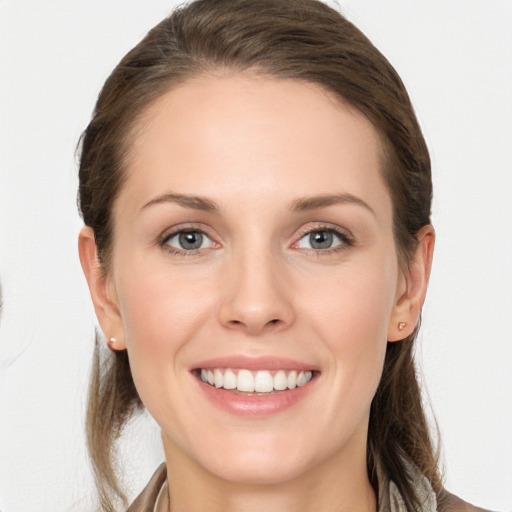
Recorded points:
345,236
174,231
185,231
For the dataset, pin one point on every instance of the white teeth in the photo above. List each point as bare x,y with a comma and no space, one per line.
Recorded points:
245,381
218,378
280,381
229,380
301,379
292,380
261,381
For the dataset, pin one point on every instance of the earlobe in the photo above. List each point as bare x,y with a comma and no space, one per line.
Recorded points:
101,290
407,309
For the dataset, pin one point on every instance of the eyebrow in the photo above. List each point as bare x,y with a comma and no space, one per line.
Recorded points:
301,204
186,201
312,203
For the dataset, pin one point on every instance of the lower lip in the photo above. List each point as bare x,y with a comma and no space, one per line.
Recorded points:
256,405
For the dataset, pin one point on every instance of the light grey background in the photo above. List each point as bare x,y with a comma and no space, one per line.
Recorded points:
454,56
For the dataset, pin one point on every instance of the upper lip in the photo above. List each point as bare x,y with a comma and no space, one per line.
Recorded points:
254,363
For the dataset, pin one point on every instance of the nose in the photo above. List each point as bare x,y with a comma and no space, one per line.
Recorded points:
257,295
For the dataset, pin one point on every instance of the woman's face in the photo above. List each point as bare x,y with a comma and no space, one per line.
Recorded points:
253,245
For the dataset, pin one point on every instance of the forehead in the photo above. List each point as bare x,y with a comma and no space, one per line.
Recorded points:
236,132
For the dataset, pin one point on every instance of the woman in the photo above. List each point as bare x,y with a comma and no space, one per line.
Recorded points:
256,192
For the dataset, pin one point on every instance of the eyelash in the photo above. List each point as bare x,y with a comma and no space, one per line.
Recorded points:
346,240
163,243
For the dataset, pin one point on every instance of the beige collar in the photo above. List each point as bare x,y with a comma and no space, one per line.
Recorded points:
162,500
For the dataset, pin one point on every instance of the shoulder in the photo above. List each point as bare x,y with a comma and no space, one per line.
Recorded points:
448,502
145,501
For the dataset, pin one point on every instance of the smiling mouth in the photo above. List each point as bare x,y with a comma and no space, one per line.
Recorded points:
252,382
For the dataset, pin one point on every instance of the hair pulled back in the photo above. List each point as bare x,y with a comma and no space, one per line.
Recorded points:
283,39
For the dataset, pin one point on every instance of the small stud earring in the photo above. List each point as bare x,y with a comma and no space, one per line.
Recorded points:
402,325
112,340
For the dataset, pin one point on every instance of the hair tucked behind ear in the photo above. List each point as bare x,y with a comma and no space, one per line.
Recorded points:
283,39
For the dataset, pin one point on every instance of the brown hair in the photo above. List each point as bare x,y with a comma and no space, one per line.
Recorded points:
291,39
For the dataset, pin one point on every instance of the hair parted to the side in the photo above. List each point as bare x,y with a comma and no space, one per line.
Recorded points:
283,39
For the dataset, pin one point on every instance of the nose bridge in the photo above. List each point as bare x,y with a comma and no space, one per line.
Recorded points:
256,297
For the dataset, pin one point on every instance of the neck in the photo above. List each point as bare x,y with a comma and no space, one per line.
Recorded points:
334,486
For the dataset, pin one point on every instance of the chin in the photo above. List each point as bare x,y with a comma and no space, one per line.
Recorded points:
252,460
257,472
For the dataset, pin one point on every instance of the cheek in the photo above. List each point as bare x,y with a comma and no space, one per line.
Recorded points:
159,306
357,303
161,313
351,314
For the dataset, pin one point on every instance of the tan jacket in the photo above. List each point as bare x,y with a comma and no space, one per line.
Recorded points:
389,497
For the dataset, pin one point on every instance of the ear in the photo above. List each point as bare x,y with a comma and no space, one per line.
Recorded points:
101,289
413,289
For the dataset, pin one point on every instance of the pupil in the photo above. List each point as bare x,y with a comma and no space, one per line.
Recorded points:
320,239
191,240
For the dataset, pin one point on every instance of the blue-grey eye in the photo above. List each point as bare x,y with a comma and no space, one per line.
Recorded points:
321,239
189,240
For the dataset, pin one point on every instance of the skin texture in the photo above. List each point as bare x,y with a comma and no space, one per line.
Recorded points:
254,147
